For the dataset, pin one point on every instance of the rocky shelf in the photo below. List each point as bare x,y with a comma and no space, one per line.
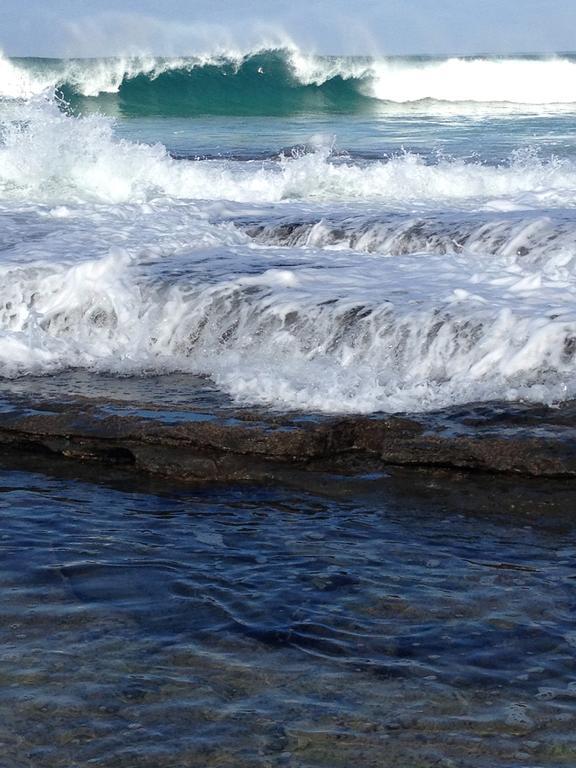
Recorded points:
225,444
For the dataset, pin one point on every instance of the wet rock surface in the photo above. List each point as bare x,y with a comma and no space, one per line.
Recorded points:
207,441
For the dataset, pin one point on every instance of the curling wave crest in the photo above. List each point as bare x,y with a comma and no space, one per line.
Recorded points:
285,81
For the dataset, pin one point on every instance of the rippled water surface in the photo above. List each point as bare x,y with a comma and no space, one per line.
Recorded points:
265,627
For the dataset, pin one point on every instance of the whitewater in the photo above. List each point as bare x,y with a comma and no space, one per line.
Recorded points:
315,233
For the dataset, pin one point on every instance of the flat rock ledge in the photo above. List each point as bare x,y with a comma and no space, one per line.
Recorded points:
252,445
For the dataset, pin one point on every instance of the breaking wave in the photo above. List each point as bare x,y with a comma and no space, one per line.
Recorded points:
45,155
426,282
286,82
324,340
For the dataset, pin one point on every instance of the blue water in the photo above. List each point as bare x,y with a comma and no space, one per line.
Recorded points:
249,626
478,135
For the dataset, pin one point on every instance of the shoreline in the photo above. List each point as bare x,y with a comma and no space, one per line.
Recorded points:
219,443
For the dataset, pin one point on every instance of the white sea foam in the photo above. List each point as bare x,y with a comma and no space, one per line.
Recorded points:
49,156
330,330
18,83
520,81
114,258
345,334
529,242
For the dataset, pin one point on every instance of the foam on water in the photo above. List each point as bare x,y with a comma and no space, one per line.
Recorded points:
520,81
347,332
17,83
47,155
544,242
116,257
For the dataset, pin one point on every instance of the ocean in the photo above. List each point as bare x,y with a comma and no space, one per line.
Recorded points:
309,237
318,234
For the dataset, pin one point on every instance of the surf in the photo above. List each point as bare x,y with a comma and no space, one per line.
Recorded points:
286,81
49,156
310,279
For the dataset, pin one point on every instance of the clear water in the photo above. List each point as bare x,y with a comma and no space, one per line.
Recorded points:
251,626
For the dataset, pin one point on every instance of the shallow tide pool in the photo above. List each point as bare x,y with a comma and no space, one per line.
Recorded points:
245,626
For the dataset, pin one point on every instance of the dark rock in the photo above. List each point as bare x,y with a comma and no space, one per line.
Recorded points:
251,445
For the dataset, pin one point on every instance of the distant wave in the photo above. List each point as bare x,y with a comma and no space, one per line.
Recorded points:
286,81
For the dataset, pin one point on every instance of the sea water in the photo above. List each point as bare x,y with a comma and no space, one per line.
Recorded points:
351,235
324,234
156,626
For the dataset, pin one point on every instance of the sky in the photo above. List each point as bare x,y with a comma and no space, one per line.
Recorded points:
387,27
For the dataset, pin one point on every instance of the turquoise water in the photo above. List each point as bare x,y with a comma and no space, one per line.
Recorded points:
492,138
